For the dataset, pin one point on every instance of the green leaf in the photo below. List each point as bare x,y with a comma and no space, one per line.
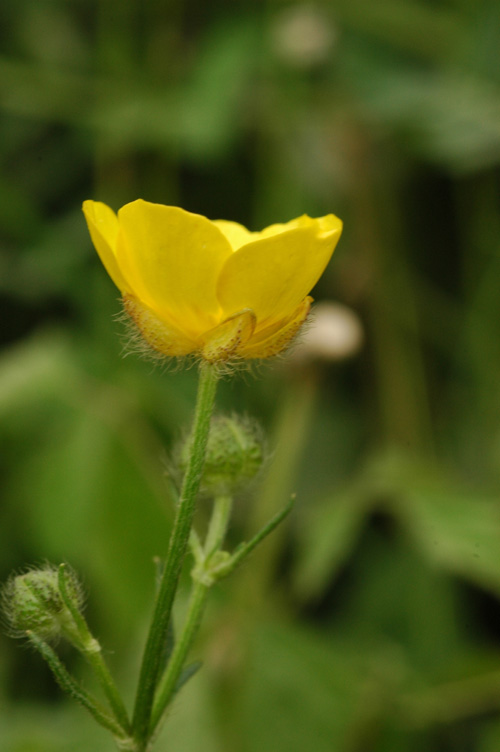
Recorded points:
212,102
303,689
457,530
398,602
28,728
92,496
33,371
187,673
168,647
244,549
326,536
490,738
190,725
432,33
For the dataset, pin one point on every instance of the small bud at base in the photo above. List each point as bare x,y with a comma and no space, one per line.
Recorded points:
33,602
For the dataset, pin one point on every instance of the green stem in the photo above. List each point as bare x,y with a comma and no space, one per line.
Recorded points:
71,686
218,524
213,543
175,556
168,684
91,649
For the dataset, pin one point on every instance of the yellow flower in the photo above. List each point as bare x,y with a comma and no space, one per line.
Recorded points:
212,288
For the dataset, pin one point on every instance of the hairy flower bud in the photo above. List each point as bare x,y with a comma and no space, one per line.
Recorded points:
33,602
234,455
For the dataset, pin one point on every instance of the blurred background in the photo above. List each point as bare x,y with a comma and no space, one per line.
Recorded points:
371,621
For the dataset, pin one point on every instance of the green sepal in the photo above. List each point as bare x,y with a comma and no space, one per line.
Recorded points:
74,608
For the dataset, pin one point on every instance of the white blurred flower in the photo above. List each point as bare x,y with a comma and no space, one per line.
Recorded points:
335,333
303,36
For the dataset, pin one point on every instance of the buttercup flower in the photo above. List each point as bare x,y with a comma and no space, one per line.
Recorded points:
213,288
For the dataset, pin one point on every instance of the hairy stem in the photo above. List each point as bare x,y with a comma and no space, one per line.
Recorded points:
175,556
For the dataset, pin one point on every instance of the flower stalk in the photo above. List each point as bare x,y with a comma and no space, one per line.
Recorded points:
75,690
212,563
91,649
151,663
170,681
201,585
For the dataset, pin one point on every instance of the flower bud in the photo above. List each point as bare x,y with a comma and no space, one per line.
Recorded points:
234,455
33,602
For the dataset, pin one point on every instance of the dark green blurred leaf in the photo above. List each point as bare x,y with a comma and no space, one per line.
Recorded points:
459,531
302,687
451,120
35,730
190,725
430,32
327,535
215,100
490,740
35,370
186,675
50,266
93,499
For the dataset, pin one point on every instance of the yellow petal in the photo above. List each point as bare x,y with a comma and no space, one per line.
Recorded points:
174,258
278,337
273,274
103,227
222,342
303,221
162,336
236,234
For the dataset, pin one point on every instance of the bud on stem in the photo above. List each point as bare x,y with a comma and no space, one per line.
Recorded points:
233,457
33,602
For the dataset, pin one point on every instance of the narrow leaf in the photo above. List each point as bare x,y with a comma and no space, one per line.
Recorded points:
187,673
244,549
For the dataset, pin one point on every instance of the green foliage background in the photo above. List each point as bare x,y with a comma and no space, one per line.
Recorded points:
371,622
